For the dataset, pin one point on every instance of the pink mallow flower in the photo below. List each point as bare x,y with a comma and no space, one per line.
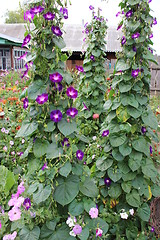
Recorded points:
14,214
99,232
93,212
0,225
21,188
77,229
10,236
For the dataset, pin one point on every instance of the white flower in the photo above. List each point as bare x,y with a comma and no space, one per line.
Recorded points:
13,153
131,211
71,233
23,141
70,222
6,131
5,148
93,156
11,143
94,138
124,215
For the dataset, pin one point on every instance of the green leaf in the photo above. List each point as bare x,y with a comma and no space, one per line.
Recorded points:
48,53
117,155
122,113
141,145
133,2
129,176
134,112
107,105
114,191
133,199
96,53
102,224
129,100
149,169
61,233
125,87
125,150
42,194
150,119
27,128
59,42
7,179
27,234
50,127
126,186
66,128
103,163
134,164
88,204
88,188
122,66
33,164
132,232
87,68
76,208
53,151
36,88
84,234
32,188
149,56
68,78
117,139
40,147
133,27
66,190
155,189
144,212
114,174
66,169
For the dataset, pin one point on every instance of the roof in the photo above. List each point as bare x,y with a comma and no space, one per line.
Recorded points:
73,36
7,40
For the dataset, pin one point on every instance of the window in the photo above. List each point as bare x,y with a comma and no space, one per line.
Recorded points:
5,59
18,64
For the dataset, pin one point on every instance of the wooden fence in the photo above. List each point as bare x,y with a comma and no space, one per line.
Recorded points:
155,73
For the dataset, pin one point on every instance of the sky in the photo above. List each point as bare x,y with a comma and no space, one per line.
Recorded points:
79,12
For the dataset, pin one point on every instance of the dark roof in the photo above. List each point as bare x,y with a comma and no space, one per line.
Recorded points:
73,36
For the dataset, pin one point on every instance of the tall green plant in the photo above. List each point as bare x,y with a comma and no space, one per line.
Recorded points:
131,179
92,85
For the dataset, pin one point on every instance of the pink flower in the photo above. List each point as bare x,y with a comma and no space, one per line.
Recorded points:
14,214
10,236
21,188
77,229
0,225
93,212
99,232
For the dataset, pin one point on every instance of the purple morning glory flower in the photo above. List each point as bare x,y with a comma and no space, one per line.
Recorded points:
57,31
79,154
37,9
118,14
44,166
41,99
135,72
23,57
151,35
80,68
55,77
150,50
58,86
134,49
72,112
85,107
72,92
28,16
56,115
27,203
107,181
91,7
92,58
64,11
154,21
65,142
25,103
49,16
149,1
143,130
129,13
123,41
26,40
135,35
152,229
150,148
119,27
105,133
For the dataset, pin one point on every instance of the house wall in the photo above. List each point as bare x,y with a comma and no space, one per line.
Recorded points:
5,57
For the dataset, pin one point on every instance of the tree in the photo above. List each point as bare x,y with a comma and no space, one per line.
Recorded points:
15,16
